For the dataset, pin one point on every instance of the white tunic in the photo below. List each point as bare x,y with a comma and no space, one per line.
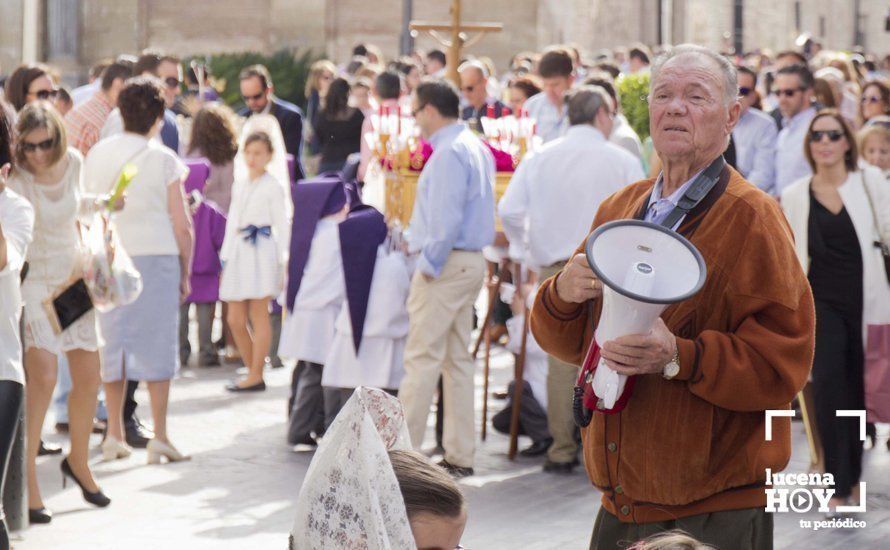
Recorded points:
535,368
380,360
255,271
308,330
17,223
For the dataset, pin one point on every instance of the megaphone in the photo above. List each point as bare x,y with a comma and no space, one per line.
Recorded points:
644,268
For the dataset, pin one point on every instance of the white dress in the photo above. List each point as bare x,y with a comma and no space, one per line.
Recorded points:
255,270
380,361
54,256
308,330
534,371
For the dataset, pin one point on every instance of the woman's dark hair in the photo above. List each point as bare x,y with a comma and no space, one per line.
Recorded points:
141,103
261,137
851,159
336,103
5,140
441,94
19,82
213,133
426,488
883,90
527,84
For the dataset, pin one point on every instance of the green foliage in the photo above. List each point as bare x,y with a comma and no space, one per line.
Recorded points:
289,70
633,91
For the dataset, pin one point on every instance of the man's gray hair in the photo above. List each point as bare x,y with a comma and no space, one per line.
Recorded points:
730,78
584,102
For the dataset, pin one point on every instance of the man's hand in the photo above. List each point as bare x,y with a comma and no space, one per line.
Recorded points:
4,175
577,283
641,353
185,288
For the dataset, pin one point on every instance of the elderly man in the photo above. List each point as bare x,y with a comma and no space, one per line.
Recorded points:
754,136
474,87
688,450
549,207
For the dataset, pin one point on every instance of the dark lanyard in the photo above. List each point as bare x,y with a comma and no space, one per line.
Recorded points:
696,192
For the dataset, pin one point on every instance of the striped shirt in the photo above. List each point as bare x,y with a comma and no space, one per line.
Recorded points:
84,123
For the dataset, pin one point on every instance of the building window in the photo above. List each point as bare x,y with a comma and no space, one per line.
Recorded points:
62,29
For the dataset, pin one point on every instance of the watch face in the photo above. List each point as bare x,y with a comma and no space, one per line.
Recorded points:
671,369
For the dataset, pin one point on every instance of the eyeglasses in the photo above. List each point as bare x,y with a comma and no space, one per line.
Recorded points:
44,145
870,99
172,82
787,93
833,135
45,94
417,110
257,97
744,91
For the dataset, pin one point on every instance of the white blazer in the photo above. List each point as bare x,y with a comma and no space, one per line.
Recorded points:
876,290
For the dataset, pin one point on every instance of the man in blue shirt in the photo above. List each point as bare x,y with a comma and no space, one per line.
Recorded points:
453,219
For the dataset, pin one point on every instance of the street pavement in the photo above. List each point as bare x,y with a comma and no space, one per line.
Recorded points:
240,488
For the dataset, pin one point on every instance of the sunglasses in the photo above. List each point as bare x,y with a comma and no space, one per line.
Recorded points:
45,94
744,91
787,93
833,135
172,82
417,110
257,97
870,99
44,145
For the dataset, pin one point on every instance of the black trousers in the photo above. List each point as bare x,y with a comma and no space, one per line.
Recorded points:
532,417
307,414
130,405
11,396
838,384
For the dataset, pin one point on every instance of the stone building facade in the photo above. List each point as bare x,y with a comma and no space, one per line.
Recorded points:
72,34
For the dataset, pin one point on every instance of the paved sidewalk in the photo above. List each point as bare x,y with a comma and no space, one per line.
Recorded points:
239,490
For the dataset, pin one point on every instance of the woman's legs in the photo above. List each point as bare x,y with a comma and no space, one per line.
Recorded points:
159,392
11,396
85,380
237,320
40,372
258,310
114,400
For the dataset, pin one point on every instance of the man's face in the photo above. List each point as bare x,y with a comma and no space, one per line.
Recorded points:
747,96
605,119
171,77
420,116
254,95
432,66
687,111
472,85
556,86
792,99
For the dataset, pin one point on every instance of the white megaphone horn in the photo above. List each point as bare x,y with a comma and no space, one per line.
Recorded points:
644,268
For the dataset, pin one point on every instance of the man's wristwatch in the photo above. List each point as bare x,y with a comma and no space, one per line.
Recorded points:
672,369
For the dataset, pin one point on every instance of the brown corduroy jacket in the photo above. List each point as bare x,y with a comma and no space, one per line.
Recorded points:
696,444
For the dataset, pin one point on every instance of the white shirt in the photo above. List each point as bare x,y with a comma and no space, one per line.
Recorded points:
550,122
83,93
791,164
17,224
144,225
754,138
551,201
624,136
534,370
259,202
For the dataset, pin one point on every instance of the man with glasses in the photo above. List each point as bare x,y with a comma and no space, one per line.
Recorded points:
550,205
84,123
474,87
258,94
793,87
453,220
754,136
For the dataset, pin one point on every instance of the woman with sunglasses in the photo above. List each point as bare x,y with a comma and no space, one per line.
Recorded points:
834,233
48,174
29,83
875,101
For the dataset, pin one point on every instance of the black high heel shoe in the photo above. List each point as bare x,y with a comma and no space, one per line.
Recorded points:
96,499
39,515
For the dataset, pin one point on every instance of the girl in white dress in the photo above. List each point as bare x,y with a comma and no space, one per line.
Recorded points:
254,254
48,174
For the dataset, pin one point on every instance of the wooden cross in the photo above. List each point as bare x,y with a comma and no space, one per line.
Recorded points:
458,39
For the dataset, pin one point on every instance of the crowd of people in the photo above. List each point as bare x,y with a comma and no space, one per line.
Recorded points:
257,220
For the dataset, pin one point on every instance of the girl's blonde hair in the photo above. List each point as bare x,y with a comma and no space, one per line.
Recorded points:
872,130
35,116
670,540
315,71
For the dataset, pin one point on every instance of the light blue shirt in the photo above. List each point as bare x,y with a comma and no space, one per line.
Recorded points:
454,207
755,148
791,163
550,122
659,208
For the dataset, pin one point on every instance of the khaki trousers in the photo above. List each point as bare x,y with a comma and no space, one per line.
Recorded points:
561,378
441,320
